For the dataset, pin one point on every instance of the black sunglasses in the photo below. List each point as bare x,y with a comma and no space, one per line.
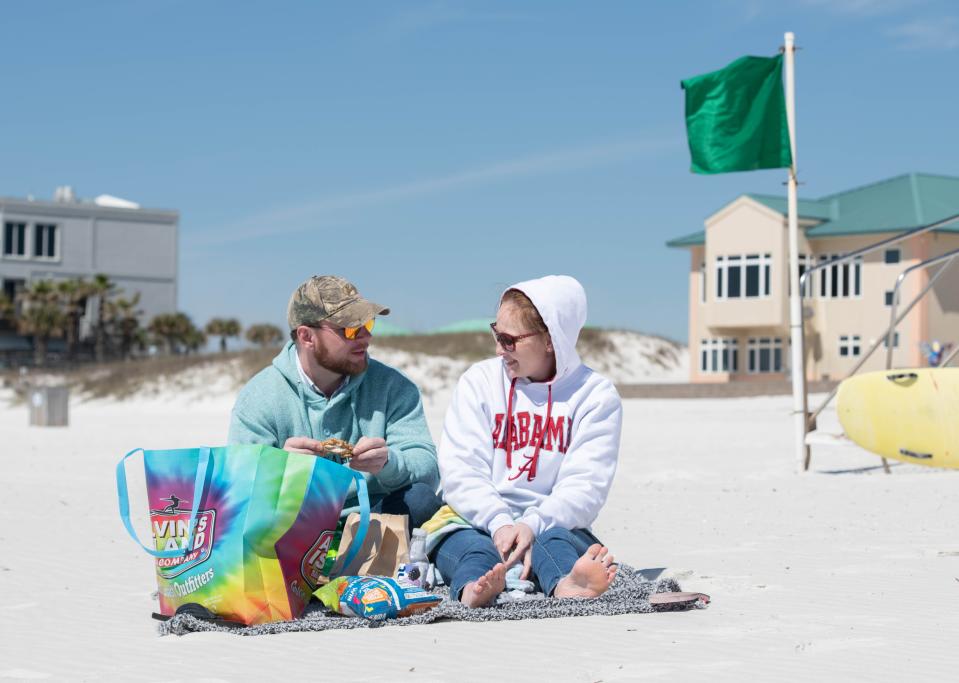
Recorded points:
508,341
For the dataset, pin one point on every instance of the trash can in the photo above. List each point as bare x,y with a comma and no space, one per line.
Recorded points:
49,406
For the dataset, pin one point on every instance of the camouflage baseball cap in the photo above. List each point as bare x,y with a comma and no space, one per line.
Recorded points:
328,297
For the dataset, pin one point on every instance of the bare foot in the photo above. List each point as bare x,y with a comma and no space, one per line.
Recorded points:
591,575
484,590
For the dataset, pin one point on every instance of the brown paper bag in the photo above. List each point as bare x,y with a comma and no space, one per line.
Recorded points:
386,547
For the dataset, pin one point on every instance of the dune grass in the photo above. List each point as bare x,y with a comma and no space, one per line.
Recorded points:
123,379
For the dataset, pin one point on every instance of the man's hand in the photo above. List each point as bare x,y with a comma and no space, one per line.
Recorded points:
369,455
515,543
303,444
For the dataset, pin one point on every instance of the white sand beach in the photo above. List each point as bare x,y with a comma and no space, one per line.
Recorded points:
841,573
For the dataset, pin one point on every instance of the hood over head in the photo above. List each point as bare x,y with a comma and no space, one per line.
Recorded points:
561,302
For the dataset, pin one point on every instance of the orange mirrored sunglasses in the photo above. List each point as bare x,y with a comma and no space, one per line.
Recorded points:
351,332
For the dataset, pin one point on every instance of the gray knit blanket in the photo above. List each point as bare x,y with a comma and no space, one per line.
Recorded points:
629,594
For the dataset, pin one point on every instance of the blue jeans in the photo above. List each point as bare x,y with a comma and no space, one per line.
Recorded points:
418,500
467,554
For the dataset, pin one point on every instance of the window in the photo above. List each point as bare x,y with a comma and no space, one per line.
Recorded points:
45,240
702,282
895,341
765,354
892,256
840,280
807,261
15,239
719,355
849,345
746,276
888,297
12,287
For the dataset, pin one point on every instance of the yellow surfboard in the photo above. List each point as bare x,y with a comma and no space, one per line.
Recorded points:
907,415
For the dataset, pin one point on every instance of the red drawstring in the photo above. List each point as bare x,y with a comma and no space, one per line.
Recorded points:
509,429
542,436
509,425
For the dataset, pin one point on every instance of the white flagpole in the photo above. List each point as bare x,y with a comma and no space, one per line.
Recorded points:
795,296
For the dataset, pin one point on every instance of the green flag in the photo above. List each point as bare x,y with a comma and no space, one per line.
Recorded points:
736,117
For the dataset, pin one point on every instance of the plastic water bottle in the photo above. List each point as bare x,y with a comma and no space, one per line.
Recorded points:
415,572
418,546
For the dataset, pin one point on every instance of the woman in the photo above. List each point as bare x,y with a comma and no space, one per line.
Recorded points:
528,453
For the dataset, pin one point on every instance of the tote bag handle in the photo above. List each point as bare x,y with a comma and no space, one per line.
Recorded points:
362,493
203,465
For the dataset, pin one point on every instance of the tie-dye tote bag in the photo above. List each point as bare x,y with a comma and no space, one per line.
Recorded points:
242,530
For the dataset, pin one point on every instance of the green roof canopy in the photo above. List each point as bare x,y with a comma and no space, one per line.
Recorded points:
385,328
472,325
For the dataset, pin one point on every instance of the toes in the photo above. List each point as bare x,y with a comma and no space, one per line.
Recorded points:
603,553
608,560
592,551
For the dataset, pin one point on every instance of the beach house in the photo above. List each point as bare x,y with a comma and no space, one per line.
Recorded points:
73,238
739,285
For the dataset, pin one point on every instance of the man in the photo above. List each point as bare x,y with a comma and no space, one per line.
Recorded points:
323,384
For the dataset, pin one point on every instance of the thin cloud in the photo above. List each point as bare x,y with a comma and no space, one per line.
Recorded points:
941,35
416,18
312,214
863,8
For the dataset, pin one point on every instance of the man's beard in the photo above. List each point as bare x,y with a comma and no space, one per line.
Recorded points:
345,366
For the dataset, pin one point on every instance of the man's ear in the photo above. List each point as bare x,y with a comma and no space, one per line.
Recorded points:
303,336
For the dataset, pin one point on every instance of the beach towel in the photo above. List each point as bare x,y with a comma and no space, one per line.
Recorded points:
629,594
244,531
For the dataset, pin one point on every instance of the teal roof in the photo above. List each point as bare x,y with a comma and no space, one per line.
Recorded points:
808,208
691,240
472,325
388,329
900,203
893,205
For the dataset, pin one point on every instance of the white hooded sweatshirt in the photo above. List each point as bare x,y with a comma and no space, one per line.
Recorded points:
542,453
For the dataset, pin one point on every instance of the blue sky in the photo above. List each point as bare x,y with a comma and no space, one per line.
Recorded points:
435,152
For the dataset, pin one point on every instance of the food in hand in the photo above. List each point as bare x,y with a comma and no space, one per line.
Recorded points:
343,449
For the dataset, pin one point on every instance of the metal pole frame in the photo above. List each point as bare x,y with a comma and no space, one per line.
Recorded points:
948,257
948,359
810,420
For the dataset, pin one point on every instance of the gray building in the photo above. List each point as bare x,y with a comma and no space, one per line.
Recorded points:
71,238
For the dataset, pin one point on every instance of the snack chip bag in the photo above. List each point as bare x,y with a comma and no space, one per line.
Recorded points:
374,597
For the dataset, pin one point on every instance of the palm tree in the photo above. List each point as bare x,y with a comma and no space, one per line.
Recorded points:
123,321
223,328
41,316
73,297
194,339
102,288
174,329
264,334
6,308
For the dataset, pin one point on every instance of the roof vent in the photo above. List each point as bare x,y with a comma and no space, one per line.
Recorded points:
115,202
65,194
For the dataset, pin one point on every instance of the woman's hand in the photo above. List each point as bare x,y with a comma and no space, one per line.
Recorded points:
504,538
515,543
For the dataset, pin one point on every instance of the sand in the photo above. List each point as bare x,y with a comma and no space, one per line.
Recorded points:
842,573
